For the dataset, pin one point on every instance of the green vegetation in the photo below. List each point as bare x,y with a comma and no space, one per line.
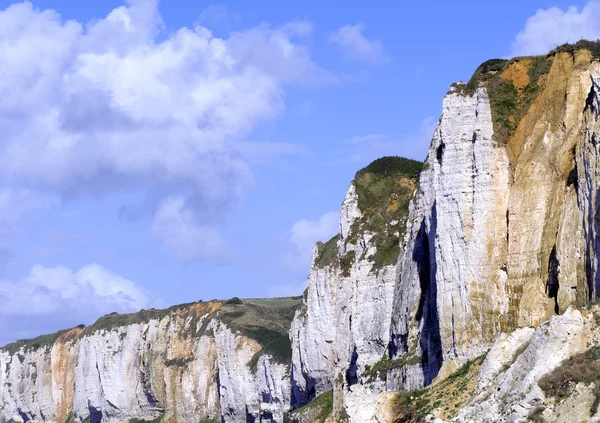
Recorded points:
70,418
208,421
157,419
592,46
384,189
178,362
115,320
582,368
234,300
265,320
379,370
346,262
276,344
43,341
447,396
508,103
328,252
318,409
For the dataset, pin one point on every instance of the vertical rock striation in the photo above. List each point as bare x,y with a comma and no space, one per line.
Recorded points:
208,361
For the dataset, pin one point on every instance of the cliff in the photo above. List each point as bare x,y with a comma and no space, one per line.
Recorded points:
460,289
500,236
208,361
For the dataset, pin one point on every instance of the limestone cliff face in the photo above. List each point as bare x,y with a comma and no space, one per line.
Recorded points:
200,361
502,232
501,235
343,325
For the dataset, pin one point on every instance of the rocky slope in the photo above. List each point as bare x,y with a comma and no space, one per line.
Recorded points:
202,361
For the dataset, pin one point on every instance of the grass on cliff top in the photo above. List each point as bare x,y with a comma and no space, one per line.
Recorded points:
317,411
384,189
267,321
592,46
43,341
115,320
447,397
509,103
327,252
582,368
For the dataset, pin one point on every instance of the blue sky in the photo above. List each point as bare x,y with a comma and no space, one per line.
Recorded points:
159,153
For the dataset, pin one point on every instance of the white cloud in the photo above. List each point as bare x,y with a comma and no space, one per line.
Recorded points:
50,298
107,106
356,46
552,27
175,225
91,291
305,233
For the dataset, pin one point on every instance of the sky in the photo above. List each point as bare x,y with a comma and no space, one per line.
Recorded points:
155,153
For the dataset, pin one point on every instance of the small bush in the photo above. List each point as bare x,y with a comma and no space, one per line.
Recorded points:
582,368
178,362
234,301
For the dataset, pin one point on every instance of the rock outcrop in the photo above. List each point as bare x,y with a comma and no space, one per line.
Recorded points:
343,325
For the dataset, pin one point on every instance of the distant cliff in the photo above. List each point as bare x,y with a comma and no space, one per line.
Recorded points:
203,362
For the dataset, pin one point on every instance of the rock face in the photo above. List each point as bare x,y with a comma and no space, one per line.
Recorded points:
199,361
501,235
344,322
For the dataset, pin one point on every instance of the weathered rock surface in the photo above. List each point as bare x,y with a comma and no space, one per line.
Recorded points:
343,325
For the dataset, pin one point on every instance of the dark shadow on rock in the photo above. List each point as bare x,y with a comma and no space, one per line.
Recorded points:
427,313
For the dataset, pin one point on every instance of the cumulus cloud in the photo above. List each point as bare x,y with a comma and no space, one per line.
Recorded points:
356,46
549,28
51,296
305,233
90,109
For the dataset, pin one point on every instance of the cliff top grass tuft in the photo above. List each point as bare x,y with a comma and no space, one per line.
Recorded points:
265,320
327,252
384,189
592,46
43,341
509,100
